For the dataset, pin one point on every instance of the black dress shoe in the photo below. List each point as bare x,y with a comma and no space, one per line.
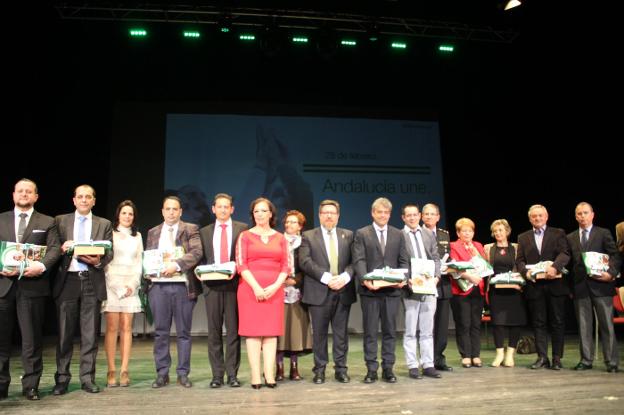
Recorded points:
431,372
31,394
371,377
388,376
319,378
183,380
60,389
342,377
90,387
540,363
612,369
414,373
216,383
233,382
556,364
161,380
582,366
444,368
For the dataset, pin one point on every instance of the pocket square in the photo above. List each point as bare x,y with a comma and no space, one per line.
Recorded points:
38,230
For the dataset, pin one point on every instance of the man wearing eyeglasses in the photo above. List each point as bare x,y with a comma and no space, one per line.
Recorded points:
325,258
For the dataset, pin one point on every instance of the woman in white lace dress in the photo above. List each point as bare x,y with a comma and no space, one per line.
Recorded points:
123,277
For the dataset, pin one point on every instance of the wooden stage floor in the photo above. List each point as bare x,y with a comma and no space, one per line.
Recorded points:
484,390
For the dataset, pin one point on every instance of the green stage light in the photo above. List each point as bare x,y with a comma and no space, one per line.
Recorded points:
300,39
247,37
137,32
446,48
399,45
348,42
191,34
225,29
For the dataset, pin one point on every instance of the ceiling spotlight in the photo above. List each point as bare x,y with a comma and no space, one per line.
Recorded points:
512,3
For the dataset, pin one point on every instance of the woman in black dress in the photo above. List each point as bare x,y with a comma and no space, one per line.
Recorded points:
506,304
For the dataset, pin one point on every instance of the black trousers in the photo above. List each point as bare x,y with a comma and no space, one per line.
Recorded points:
333,312
467,312
440,330
374,310
548,316
222,307
30,314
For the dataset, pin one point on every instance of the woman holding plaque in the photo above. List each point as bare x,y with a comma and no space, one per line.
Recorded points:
297,338
123,277
262,262
506,303
467,301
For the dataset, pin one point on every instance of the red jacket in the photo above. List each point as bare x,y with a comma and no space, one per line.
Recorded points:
460,253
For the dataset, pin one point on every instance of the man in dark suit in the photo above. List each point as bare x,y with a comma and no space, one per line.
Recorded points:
329,290
430,218
174,300
218,241
594,292
545,297
420,309
23,299
79,289
374,247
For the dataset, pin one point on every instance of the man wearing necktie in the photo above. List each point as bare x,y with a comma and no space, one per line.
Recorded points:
545,297
377,246
79,289
23,300
419,308
594,292
218,241
174,301
329,291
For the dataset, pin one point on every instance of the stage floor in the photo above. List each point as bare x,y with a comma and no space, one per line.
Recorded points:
466,391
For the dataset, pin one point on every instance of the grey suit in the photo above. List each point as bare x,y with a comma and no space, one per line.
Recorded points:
382,304
420,309
590,294
326,305
78,298
27,297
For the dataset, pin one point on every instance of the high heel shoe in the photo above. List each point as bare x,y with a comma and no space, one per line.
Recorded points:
124,379
466,362
270,385
111,379
476,362
256,385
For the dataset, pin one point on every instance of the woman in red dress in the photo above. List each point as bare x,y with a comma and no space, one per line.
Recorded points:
262,262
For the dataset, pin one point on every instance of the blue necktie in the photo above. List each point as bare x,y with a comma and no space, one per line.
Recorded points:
82,230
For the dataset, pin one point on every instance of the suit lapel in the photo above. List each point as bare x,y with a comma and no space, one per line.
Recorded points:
95,228
69,226
30,227
576,241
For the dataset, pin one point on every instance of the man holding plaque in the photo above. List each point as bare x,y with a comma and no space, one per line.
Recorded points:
420,294
22,299
547,293
218,241
325,258
377,246
173,295
79,289
594,287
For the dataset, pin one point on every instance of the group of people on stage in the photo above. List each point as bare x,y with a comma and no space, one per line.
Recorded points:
288,288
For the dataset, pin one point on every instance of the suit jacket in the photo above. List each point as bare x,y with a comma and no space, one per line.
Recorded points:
444,247
431,251
367,256
554,248
206,235
619,234
600,240
41,230
314,262
101,229
188,238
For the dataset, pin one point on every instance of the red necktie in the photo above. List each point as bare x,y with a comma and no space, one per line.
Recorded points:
225,257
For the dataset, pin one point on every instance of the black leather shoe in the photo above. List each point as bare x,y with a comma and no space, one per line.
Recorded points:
233,382
582,366
414,373
319,378
342,377
371,377
431,372
256,385
216,383
388,376
59,389
183,380
540,363
444,368
31,394
270,385
612,369
161,380
4,394
556,364
90,387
